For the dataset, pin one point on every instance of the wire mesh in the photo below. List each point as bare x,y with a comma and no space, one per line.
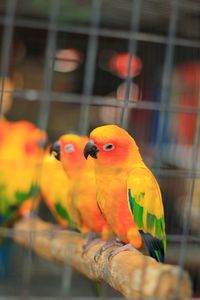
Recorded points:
57,101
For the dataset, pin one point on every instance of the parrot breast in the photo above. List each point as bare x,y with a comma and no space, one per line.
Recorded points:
112,200
85,202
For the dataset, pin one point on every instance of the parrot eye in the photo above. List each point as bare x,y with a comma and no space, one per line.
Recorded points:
108,147
69,148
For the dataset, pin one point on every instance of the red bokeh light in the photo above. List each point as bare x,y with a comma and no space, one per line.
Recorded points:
119,65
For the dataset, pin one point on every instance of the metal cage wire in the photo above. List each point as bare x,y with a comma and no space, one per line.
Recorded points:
87,99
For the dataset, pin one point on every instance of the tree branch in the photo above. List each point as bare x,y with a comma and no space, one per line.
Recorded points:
132,274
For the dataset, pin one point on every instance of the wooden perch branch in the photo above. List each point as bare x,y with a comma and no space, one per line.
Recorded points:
132,274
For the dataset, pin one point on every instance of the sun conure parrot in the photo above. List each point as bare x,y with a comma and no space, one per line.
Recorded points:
21,152
128,193
82,205
55,189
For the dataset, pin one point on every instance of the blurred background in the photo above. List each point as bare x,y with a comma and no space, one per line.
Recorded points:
71,65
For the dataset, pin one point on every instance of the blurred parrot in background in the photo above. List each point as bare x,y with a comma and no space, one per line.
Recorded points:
21,152
55,189
128,193
82,205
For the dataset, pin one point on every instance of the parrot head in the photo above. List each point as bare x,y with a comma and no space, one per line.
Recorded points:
37,143
22,140
111,145
28,139
69,150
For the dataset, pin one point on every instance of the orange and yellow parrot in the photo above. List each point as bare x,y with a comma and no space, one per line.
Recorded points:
128,193
82,205
21,152
55,189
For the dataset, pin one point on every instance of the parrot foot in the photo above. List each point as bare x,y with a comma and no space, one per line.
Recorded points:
127,247
106,246
91,240
30,215
56,230
90,236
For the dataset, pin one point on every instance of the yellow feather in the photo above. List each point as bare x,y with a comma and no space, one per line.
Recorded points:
55,186
141,180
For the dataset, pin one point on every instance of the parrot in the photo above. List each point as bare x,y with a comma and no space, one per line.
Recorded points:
55,189
21,148
21,152
82,205
128,194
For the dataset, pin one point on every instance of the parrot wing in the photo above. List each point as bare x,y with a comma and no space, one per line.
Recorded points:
145,203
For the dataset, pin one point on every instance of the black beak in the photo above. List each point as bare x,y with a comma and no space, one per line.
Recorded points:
90,149
55,149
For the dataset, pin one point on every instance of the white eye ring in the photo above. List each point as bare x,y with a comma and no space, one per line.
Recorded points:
108,147
69,148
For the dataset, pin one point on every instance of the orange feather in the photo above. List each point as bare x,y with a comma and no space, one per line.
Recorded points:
84,210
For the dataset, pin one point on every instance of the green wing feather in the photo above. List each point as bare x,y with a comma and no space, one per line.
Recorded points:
145,203
62,212
9,207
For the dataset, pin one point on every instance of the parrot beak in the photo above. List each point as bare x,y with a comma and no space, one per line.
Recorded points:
90,149
55,149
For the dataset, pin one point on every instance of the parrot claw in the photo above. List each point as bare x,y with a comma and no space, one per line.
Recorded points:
127,247
97,256
90,239
88,244
30,215
106,246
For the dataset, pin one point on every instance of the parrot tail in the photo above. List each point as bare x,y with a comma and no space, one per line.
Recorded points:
155,246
